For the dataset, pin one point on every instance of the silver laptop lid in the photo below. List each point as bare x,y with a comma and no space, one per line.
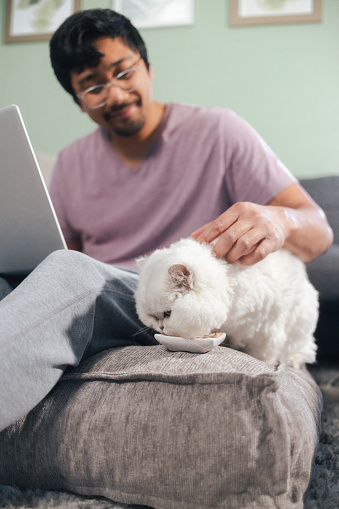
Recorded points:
29,229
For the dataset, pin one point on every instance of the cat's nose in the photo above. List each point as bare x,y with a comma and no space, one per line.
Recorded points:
161,327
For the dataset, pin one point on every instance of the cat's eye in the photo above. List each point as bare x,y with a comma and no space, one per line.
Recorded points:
167,314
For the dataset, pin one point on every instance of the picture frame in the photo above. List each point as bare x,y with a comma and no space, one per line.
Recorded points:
267,12
156,13
36,20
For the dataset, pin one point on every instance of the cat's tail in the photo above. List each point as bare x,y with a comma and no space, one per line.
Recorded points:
306,355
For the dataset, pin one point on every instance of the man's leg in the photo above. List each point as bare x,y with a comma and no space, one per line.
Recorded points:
69,308
8,283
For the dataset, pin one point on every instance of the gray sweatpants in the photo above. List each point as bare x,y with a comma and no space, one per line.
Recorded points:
69,308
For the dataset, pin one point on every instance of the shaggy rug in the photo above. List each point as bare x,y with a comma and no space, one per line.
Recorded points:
323,491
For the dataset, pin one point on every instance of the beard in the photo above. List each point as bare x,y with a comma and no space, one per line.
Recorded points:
125,126
130,128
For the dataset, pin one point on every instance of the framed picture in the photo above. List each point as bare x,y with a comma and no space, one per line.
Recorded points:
265,12
36,20
156,13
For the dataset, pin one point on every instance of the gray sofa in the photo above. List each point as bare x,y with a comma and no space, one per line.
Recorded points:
324,271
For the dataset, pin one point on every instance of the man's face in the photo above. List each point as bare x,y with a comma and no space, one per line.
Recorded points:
124,113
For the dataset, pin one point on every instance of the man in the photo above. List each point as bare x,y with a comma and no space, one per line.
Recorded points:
89,51
150,174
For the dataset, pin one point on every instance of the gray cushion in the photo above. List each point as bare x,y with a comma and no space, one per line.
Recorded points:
324,270
324,275
325,191
171,430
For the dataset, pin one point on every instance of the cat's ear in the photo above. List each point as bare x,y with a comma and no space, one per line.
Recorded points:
181,277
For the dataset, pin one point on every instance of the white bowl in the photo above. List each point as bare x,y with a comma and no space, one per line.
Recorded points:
194,345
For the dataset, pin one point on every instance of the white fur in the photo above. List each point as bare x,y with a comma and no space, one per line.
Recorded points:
269,309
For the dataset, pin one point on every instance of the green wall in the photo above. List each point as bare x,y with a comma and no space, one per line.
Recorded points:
283,79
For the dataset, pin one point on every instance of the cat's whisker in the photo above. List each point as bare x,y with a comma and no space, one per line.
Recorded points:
122,294
140,331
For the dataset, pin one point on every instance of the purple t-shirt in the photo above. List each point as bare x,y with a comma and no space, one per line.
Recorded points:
202,161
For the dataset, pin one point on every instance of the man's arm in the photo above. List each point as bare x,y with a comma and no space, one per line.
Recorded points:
248,232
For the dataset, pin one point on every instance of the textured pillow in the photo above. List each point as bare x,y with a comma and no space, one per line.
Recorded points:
171,430
325,191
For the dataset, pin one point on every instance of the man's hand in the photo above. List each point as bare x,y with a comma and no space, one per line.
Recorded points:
247,232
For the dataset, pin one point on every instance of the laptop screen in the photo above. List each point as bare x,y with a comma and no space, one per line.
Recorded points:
29,229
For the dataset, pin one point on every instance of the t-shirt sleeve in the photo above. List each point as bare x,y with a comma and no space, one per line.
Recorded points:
59,193
253,171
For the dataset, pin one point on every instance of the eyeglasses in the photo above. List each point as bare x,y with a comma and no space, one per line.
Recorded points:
97,96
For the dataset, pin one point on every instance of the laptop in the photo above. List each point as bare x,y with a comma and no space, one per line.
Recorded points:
29,228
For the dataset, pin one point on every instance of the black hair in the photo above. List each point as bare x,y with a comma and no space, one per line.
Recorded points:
71,46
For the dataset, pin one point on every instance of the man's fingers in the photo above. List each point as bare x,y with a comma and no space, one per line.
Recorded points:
212,230
258,253
234,245
235,242
245,232
197,233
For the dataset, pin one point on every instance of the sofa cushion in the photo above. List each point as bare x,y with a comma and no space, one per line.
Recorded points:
171,430
324,270
323,273
325,191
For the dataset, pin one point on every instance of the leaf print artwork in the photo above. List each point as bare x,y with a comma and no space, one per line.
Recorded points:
261,12
44,14
23,4
36,20
271,4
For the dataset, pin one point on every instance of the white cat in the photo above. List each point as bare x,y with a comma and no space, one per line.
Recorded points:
269,310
